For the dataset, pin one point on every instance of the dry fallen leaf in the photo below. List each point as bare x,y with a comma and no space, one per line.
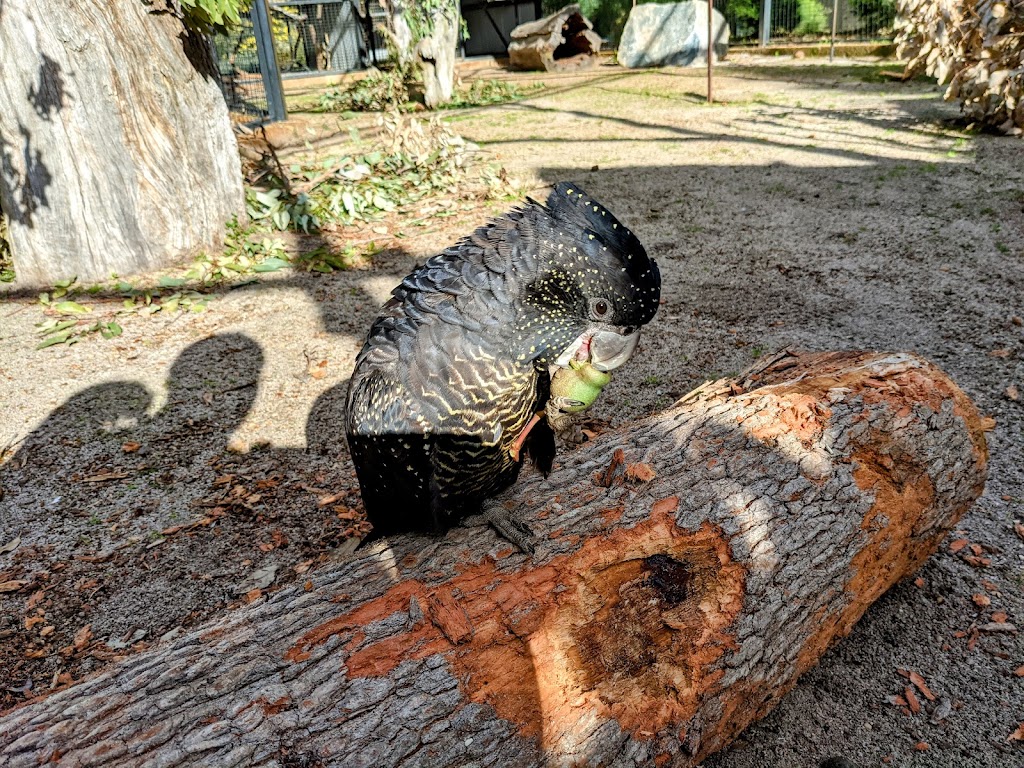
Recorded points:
957,545
919,682
325,500
31,621
11,545
942,711
982,601
977,562
82,637
1013,393
12,586
919,582
1019,671
1001,352
1000,617
912,702
130,447
1017,735
922,746
47,630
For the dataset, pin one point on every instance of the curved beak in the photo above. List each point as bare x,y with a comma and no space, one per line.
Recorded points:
609,350
604,348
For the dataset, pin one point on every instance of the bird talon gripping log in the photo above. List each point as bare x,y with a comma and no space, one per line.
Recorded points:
454,381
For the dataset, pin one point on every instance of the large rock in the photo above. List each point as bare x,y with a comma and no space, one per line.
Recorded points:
564,40
658,35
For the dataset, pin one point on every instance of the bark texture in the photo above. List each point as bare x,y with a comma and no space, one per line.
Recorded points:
435,55
690,568
562,41
116,153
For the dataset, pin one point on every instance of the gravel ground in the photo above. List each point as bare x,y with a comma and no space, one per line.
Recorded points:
160,477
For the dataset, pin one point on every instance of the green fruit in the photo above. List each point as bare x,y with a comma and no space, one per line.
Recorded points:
575,388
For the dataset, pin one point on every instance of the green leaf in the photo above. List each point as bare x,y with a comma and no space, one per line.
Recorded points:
273,264
71,308
44,298
55,326
269,199
110,330
58,338
171,282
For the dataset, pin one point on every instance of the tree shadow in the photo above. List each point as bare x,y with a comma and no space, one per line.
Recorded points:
24,177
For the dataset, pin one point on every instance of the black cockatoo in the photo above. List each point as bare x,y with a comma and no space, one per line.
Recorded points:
456,371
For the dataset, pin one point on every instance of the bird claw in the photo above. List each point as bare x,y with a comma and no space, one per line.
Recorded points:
509,527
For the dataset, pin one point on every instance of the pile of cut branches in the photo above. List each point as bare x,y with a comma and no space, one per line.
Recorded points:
977,47
413,159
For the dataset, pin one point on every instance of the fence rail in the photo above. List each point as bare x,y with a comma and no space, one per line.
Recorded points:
775,21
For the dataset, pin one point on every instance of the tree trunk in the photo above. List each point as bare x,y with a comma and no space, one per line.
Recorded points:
398,28
689,568
436,57
117,152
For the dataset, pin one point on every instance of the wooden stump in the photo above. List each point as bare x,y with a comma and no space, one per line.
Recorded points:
116,149
564,40
690,567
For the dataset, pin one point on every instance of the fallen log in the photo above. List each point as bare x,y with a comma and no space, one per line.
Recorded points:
689,568
563,41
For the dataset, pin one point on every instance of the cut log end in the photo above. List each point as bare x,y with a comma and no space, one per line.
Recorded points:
665,610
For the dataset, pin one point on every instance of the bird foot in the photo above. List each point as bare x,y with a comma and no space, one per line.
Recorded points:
509,527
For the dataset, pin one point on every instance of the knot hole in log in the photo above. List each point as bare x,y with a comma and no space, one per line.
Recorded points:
654,623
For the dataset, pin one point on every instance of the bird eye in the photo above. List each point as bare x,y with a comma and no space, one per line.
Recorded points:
599,307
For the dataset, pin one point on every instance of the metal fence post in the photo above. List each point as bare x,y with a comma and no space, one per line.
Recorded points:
766,23
832,41
268,61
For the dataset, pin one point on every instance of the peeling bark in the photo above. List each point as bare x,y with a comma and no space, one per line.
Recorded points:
116,149
436,57
672,601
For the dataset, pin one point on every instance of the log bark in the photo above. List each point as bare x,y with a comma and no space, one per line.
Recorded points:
116,149
565,40
690,567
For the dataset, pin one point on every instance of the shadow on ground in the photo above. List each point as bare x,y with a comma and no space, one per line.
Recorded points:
855,251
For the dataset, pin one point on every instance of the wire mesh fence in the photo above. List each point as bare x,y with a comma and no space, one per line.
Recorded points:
241,78
808,20
316,37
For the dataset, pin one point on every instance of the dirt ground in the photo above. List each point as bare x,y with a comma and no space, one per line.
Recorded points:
154,480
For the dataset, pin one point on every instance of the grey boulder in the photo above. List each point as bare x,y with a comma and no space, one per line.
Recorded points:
671,34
